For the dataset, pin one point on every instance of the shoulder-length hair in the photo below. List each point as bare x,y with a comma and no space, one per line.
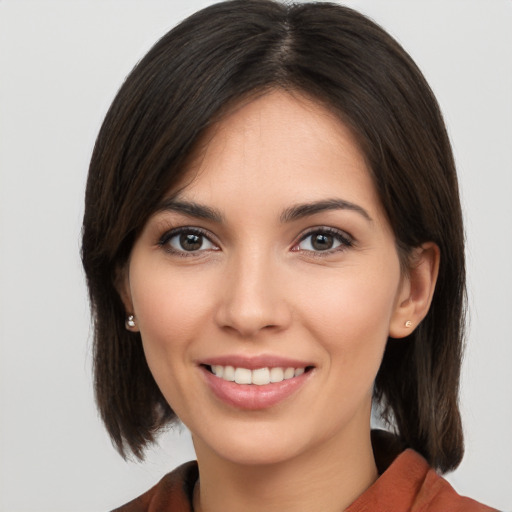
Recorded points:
214,59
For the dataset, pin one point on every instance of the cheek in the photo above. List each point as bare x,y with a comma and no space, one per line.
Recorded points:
170,307
350,311
165,298
172,311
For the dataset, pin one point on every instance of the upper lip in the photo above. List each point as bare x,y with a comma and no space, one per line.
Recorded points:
255,362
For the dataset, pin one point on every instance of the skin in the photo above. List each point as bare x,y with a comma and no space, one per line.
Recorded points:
258,286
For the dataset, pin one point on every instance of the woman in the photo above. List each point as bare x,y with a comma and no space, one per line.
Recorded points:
273,242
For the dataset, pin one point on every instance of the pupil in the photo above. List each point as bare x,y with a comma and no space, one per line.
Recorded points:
322,242
190,242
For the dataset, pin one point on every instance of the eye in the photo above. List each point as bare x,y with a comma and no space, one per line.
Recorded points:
324,240
186,240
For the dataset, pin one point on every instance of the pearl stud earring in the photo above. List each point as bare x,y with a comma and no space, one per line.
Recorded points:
130,322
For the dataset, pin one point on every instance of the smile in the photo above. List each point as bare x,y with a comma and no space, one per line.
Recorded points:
255,383
258,376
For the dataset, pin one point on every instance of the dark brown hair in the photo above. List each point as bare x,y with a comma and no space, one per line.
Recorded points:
340,58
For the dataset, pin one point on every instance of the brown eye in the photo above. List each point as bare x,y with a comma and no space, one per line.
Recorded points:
324,240
186,241
321,242
191,241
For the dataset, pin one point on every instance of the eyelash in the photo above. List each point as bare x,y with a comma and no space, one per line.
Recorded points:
169,235
345,241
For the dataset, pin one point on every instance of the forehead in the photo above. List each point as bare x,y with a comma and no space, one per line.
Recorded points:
285,145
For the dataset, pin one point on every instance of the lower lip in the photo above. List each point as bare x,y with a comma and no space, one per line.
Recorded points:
251,396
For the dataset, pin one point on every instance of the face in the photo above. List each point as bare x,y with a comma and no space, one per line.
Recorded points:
265,289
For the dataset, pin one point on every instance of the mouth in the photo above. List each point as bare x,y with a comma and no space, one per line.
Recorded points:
257,382
258,376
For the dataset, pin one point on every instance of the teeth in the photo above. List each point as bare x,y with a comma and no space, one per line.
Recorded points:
259,377
218,370
289,373
276,374
243,376
228,373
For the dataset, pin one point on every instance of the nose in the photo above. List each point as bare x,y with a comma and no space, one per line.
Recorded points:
253,297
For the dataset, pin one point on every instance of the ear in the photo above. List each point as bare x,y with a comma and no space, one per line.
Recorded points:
122,285
416,291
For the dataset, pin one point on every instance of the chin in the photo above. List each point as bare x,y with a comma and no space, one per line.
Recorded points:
258,455
251,446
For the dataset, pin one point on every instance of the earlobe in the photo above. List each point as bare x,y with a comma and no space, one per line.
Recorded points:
416,291
130,324
122,285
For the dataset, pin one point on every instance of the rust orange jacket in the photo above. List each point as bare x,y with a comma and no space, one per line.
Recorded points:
408,484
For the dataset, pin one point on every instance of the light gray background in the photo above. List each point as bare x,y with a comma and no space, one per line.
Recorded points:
60,66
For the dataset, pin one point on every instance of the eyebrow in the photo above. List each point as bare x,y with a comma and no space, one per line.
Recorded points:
191,209
292,213
300,211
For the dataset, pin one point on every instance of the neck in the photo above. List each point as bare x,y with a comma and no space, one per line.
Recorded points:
327,479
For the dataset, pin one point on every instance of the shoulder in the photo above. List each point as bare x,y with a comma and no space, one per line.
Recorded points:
437,494
409,484
173,493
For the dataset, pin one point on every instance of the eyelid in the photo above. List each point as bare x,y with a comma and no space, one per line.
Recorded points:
346,240
171,233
